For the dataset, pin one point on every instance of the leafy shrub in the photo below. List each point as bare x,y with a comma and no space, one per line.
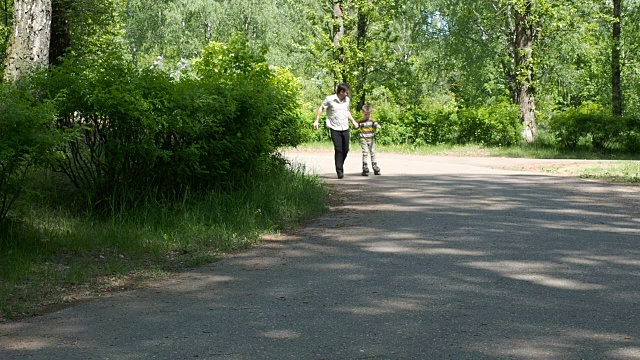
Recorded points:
591,123
146,131
288,124
492,125
431,126
604,129
101,106
322,134
394,129
629,137
264,102
26,139
567,129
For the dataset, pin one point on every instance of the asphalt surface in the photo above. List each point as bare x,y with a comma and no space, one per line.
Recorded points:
437,258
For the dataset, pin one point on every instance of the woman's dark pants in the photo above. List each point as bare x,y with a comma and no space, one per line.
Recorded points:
341,146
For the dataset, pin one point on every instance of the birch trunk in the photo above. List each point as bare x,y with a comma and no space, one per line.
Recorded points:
29,42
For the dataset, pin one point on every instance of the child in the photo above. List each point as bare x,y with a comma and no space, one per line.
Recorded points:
368,128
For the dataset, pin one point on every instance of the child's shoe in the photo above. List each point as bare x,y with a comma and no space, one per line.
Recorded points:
376,169
365,172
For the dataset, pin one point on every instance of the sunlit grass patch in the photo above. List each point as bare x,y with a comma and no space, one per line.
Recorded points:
624,171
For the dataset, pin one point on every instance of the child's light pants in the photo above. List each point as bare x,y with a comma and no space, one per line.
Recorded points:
368,149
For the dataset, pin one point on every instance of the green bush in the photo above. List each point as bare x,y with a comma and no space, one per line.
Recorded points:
629,137
600,129
493,125
145,131
496,125
394,128
288,125
322,134
26,139
431,126
102,108
262,107
567,128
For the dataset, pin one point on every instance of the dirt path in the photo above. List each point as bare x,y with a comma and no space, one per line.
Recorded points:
437,258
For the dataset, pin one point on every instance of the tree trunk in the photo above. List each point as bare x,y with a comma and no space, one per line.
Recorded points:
60,31
338,33
523,47
361,43
508,63
510,78
29,44
5,38
616,68
5,11
208,32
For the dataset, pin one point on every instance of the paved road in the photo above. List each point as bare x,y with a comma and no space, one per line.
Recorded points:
437,258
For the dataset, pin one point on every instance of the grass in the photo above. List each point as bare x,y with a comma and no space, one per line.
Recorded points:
53,251
623,171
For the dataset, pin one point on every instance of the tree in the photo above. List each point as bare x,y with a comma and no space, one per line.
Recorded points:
181,28
503,33
29,43
376,48
5,29
616,87
631,40
337,35
60,30
358,42
524,34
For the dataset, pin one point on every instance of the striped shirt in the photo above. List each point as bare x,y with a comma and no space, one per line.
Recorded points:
368,129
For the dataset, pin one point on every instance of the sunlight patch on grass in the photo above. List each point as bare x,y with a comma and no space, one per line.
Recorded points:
626,172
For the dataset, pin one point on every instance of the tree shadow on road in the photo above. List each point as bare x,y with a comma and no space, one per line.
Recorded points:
406,267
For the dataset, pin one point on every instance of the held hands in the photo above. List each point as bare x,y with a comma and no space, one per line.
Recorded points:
355,123
316,124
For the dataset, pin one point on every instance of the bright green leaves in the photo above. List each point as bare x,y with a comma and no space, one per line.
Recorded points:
26,139
228,61
369,54
149,130
6,19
